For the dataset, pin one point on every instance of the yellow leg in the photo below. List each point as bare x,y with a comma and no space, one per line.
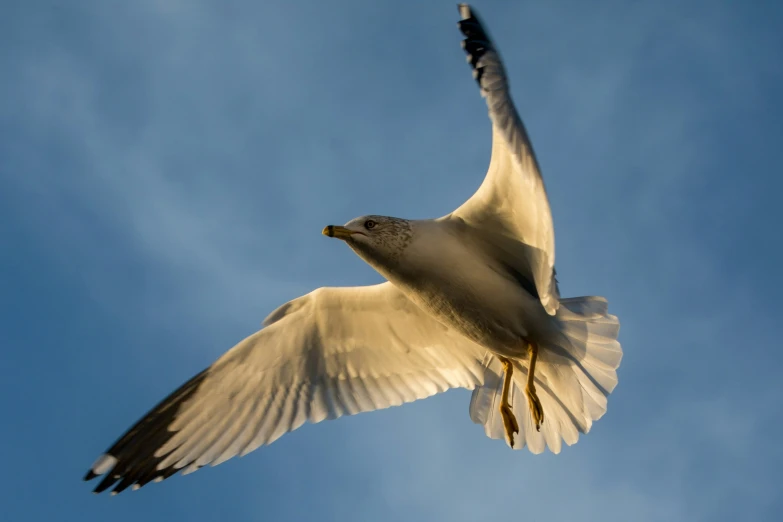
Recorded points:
509,420
536,410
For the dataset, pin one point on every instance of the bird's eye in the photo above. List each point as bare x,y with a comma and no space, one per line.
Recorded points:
369,224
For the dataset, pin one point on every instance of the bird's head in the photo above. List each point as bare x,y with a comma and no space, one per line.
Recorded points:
379,240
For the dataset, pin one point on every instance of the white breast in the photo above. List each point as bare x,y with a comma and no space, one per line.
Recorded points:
466,289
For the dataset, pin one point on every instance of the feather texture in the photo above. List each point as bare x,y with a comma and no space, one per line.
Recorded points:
573,380
512,200
333,352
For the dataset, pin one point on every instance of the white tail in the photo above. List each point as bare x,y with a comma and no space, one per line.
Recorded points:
572,381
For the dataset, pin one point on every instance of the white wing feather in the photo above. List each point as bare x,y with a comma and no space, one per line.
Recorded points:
333,352
512,199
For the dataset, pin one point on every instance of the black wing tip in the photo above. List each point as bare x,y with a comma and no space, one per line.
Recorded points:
476,42
121,483
470,25
134,479
131,461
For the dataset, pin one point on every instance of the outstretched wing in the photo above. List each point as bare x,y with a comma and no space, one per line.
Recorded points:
333,352
512,199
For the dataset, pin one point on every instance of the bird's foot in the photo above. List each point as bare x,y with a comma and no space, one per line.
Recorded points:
536,410
509,422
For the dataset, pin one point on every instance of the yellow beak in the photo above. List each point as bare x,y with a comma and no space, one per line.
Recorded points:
337,231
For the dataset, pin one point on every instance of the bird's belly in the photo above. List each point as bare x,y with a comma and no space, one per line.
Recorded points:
491,310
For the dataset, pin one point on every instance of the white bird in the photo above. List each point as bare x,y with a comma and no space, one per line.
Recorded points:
470,301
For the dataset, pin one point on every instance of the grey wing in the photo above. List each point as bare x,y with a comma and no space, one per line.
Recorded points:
333,352
512,199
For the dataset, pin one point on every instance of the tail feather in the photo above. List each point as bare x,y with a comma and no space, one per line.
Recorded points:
482,402
573,380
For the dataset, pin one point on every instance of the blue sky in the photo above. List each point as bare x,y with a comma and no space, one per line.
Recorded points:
166,168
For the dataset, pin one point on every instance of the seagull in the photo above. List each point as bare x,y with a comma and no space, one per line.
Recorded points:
470,301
